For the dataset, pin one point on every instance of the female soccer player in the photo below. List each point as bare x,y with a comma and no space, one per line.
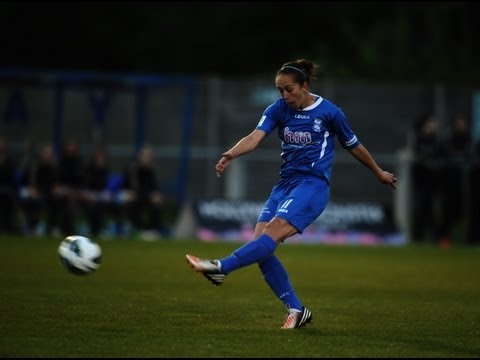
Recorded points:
307,125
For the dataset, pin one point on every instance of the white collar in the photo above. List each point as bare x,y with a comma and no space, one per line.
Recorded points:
315,104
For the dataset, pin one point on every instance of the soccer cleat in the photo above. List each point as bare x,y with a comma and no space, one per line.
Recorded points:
296,319
208,268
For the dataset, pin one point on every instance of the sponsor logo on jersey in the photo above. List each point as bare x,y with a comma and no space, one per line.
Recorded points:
297,137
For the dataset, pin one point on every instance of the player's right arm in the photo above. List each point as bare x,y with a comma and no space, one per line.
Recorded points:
244,146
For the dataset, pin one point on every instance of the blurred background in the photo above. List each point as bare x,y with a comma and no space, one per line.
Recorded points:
131,104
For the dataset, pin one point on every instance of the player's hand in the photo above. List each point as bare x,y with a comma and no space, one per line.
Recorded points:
222,164
388,178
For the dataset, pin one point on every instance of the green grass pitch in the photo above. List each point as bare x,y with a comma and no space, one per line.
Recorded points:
144,301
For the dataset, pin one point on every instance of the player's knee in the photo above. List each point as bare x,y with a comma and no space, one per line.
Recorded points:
279,229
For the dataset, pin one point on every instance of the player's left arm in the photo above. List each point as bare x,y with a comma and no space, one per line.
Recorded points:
361,153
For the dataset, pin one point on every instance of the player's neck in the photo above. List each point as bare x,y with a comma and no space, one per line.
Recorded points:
310,100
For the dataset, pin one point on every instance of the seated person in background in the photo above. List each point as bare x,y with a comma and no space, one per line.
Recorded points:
8,190
473,230
426,170
98,199
142,195
40,194
457,152
71,183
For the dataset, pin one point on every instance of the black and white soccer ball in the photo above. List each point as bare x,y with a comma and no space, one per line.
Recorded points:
80,255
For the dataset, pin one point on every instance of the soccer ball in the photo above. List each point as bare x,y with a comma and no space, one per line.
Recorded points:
80,255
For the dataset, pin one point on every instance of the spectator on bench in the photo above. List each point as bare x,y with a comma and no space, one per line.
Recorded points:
143,198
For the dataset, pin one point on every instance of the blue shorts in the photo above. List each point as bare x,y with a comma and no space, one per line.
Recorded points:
299,201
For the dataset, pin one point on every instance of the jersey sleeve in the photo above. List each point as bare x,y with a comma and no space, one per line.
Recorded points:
268,121
345,134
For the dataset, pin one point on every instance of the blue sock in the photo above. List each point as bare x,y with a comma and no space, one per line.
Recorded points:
277,278
252,252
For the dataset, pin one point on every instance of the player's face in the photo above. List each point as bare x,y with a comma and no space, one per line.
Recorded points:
295,95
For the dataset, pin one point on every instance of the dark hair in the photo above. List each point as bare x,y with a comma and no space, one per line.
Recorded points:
422,120
303,71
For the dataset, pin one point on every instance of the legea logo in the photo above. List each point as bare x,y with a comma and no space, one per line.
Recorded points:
300,116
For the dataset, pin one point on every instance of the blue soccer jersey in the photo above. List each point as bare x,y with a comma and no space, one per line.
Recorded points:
308,136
